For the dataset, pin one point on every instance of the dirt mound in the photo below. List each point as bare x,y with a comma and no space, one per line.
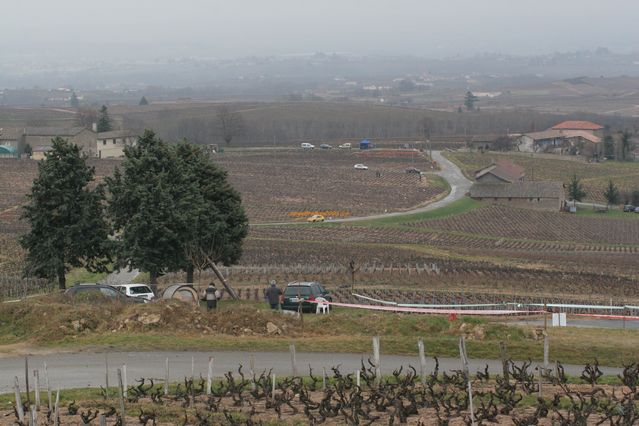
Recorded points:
53,317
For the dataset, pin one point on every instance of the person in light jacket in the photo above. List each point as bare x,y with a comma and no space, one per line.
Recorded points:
212,295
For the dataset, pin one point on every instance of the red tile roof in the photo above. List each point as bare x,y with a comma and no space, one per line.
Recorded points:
577,125
504,170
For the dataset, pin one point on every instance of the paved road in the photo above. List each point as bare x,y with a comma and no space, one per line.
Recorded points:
120,277
88,369
459,186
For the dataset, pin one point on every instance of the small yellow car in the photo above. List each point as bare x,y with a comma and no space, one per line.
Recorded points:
316,218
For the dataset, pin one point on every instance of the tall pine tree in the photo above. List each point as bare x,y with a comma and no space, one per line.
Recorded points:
68,226
218,223
104,121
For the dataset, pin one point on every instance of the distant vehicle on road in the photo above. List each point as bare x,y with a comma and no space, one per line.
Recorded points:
326,146
360,167
300,295
100,291
412,170
136,290
306,145
316,218
346,145
629,208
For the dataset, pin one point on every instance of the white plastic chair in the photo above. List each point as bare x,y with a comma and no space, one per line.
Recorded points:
321,306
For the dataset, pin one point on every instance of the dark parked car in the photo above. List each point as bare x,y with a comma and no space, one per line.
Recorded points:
413,170
100,291
304,293
629,208
326,146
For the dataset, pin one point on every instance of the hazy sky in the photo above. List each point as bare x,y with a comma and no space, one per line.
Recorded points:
152,28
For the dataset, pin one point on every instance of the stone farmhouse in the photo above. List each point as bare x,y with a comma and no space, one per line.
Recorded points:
568,137
39,138
503,183
111,144
528,194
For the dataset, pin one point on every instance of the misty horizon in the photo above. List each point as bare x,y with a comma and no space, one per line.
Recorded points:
161,29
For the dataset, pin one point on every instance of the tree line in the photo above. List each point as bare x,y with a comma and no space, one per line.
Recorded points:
612,194
167,208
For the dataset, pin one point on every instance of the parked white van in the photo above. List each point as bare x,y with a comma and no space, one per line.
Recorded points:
307,145
136,290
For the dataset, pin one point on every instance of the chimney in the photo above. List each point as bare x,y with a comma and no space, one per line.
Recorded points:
94,127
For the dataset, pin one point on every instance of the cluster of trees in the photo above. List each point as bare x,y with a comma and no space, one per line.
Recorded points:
168,208
612,194
618,146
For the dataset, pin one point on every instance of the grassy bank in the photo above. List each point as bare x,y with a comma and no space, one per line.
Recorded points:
243,326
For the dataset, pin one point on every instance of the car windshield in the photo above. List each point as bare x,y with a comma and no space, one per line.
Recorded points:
141,289
297,290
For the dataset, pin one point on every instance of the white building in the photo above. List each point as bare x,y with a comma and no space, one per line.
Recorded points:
111,144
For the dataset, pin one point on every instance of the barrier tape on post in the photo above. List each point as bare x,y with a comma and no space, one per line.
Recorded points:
491,312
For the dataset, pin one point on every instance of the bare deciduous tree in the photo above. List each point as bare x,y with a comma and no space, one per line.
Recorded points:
230,123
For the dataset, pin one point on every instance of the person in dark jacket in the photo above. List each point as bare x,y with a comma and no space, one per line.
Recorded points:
211,295
273,295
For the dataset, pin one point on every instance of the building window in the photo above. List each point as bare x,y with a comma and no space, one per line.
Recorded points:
113,141
538,199
104,142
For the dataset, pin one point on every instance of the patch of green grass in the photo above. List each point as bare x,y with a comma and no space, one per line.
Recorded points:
81,275
612,213
458,207
142,278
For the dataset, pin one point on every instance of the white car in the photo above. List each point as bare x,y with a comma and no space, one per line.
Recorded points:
136,290
360,167
306,145
346,145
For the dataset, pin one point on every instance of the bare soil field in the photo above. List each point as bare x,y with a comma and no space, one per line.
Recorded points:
275,184
594,176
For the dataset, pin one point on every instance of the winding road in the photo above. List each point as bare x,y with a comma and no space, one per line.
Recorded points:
449,171
74,370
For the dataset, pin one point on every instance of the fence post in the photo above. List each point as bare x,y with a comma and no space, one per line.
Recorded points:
463,357
376,360
19,407
323,378
166,376
209,376
121,385
546,351
470,402
291,348
124,381
26,378
504,360
273,387
422,360
252,370
46,381
106,376
36,384
56,409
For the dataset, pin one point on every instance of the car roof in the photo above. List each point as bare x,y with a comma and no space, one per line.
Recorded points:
130,285
302,283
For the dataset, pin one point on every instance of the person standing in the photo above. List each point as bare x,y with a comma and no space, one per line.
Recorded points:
212,295
273,294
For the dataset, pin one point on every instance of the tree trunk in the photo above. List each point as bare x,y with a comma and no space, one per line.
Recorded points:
62,279
154,281
189,274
